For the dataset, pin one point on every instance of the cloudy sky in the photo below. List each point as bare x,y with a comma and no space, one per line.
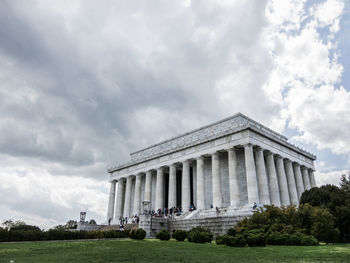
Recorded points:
83,83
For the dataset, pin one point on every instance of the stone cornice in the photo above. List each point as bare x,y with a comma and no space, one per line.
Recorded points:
230,125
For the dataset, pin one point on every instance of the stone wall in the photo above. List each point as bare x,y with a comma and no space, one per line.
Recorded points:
217,225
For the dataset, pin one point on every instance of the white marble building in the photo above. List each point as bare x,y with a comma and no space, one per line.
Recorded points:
231,163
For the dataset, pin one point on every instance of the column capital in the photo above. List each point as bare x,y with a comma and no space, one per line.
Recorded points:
295,164
277,156
268,153
286,160
247,145
200,158
231,149
215,155
303,167
186,161
258,148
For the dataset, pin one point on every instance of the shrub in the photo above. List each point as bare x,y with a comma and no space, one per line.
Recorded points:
224,240
180,235
255,239
137,234
163,235
3,234
232,231
275,238
237,241
296,239
336,201
200,235
308,241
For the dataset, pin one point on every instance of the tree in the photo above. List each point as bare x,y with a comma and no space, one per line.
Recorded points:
92,222
71,224
8,224
345,183
336,201
60,227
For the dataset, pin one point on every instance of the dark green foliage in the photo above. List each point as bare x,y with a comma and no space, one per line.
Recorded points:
255,238
237,241
92,222
296,239
337,201
26,228
200,235
163,235
138,234
71,224
345,183
224,240
4,235
180,235
315,221
308,241
232,231
34,234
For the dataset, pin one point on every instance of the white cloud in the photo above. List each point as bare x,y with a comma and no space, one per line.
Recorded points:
306,74
34,195
329,177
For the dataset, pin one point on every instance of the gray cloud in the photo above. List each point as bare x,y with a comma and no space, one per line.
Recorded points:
81,76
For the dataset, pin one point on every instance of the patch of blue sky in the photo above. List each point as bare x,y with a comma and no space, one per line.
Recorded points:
343,39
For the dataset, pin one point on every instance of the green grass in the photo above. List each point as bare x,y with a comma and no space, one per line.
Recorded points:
164,251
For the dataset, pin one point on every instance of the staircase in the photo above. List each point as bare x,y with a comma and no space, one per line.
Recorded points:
116,227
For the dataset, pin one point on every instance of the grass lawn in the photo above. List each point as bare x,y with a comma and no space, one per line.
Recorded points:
164,251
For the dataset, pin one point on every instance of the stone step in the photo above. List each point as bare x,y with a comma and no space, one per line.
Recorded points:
116,227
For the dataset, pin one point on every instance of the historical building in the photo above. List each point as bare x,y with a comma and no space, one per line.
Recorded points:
230,164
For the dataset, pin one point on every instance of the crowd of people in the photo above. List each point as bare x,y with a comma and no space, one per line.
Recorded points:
124,221
165,212
168,212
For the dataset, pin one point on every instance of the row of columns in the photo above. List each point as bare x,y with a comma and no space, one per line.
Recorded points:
270,180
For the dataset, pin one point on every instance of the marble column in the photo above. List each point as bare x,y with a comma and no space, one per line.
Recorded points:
293,195
137,195
263,184
172,186
282,181
306,179
127,201
159,190
216,181
120,199
273,182
298,179
252,182
111,202
186,187
233,178
148,187
312,178
200,184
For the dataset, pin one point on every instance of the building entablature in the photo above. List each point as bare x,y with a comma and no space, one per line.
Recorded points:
236,140
208,134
